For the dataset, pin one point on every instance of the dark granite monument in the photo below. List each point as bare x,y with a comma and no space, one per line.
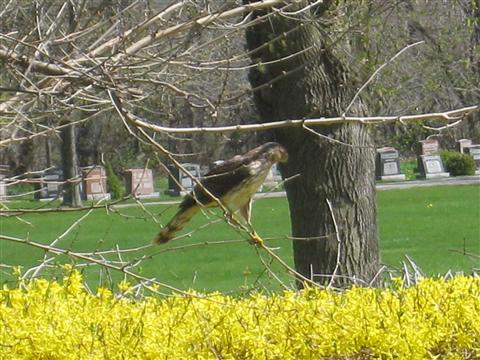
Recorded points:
388,164
179,183
49,185
474,151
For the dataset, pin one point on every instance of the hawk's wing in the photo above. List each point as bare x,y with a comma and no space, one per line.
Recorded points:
233,182
226,176
217,182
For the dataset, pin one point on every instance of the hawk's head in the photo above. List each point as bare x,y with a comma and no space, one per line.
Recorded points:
275,152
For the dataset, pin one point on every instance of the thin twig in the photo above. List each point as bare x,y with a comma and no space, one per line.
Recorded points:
339,244
377,71
105,264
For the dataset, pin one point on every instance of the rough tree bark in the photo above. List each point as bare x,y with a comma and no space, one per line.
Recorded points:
71,193
475,63
318,83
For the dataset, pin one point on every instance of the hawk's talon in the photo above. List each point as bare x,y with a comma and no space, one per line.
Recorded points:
255,239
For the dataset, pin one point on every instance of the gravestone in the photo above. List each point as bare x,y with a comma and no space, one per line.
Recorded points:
432,167
95,183
273,177
173,180
428,147
179,183
462,144
474,151
3,182
140,182
388,164
186,181
49,185
429,162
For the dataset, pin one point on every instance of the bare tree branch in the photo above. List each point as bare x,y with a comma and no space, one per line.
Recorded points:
451,115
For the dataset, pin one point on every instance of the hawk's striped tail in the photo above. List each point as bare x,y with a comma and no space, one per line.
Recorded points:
176,224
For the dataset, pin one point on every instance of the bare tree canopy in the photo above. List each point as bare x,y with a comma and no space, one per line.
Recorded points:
160,83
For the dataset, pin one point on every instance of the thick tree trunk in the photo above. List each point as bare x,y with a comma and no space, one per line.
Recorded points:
71,193
48,155
313,84
475,61
474,12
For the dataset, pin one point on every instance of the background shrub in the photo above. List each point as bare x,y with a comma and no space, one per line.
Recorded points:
114,184
457,163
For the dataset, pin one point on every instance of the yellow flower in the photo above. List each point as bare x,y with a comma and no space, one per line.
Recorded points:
17,271
125,287
50,320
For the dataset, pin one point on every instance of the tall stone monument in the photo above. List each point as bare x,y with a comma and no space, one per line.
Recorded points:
140,182
95,182
429,162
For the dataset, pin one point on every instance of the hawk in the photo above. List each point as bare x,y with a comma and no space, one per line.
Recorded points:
233,183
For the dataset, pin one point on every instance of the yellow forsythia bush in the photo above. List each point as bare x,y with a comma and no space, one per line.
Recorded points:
435,319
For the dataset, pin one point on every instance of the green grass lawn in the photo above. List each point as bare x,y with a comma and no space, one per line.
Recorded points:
428,224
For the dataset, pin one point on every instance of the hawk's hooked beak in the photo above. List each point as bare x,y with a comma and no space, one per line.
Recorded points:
281,156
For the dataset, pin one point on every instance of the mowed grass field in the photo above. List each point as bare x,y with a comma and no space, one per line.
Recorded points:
432,225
